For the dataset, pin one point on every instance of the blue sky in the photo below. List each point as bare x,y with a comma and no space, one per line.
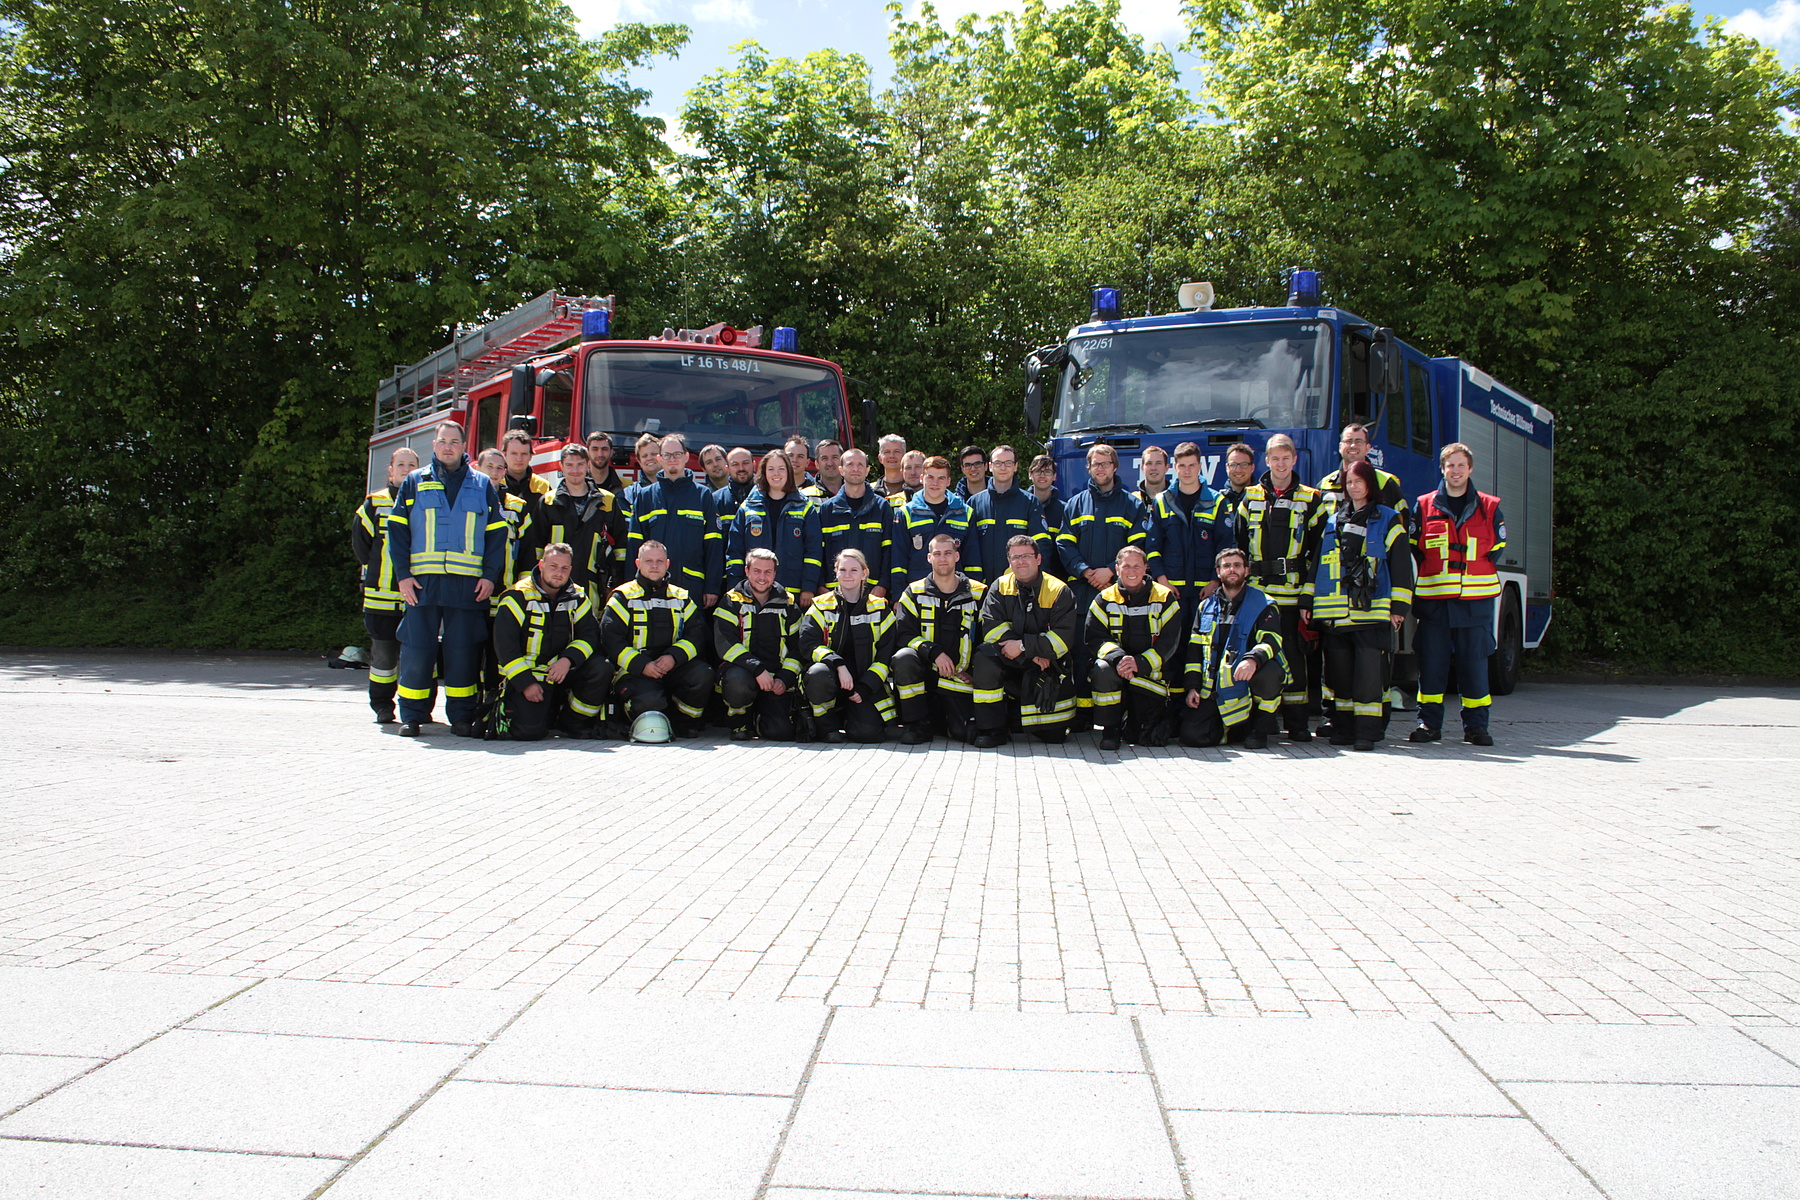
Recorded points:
796,27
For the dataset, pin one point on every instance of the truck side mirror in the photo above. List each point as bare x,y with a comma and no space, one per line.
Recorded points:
1036,363
870,428
545,376
519,392
524,421
1387,364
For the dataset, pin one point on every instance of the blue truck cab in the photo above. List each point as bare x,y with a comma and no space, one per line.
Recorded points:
1216,377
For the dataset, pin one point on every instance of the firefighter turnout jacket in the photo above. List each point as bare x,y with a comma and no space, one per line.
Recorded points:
1041,615
758,635
368,537
932,622
854,634
1145,624
646,619
1279,531
534,627
592,524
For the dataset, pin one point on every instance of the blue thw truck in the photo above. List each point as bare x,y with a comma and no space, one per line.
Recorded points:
1221,376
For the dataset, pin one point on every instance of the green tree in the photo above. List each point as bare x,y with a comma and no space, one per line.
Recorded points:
1568,193
226,222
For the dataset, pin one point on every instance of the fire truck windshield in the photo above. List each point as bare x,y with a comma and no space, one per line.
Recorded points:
710,394
1272,374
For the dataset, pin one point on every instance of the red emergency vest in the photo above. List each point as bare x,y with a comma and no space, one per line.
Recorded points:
1454,562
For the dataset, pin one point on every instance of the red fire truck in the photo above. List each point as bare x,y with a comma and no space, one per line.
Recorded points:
550,367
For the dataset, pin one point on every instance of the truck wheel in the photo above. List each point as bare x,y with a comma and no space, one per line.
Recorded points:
1509,649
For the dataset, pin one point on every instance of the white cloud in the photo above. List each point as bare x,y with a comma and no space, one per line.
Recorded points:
594,17
1778,26
1154,20
726,12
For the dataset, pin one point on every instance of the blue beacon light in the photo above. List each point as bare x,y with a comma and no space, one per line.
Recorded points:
786,338
1106,304
596,325
1303,288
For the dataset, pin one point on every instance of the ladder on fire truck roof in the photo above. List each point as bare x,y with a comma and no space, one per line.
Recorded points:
438,382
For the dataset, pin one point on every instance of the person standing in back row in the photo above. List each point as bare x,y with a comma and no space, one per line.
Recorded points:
1278,527
382,604
1458,536
446,545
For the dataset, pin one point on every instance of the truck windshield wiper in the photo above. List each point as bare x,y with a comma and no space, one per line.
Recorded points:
1215,421
1123,427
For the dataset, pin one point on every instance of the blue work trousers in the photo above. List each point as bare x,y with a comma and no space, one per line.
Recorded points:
1438,645
463,633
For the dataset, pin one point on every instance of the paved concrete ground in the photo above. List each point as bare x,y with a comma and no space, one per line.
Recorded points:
1566,966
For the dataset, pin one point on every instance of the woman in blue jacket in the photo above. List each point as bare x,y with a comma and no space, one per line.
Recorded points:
776,517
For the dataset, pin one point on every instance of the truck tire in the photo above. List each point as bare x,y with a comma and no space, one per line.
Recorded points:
1509,647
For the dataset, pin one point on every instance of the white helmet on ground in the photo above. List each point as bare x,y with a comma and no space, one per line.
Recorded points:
651,728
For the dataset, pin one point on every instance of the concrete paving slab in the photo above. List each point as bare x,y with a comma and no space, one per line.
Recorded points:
73,1171
1362,1066
1783,1041
25,1077
1675,1142
365,1010
97,1013
1003,1040
673,1044
935,1129
237,1091
1621,1054
781,1193
1301,1156
498,1141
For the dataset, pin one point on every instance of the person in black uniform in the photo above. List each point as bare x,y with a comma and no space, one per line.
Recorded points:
935,629
547,641
1026,635
754,630
1134,632
382,604
846,643
647,632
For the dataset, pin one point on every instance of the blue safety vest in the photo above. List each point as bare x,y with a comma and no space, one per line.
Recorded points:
1330,601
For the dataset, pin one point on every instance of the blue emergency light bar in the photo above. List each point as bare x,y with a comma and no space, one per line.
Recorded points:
596,325
786,339
1106,304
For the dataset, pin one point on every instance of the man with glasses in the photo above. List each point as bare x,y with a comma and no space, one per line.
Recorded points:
1353,447
973,463
446,546
1002,510
679,513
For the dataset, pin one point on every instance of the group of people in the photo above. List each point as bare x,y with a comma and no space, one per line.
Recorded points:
814,595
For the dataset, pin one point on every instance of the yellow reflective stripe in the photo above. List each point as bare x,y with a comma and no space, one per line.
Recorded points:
1477,701
409,693
1431,697
586,710
379,676
460,692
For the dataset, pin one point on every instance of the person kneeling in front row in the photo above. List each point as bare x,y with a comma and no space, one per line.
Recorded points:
1026,637
1235,663
546,640
753,634
847,640
648,633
